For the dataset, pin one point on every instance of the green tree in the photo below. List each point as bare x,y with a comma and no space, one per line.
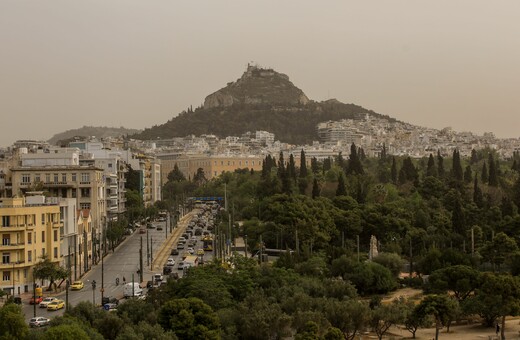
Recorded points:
414,319
341,189
350,316
200,177
315,189
393,171
440,165
431,170
484,173
385,316
391,261
12,323
189,319
48,270
460,279
354,166
457,166
478,198
493,176
291,168
499,250
66,332
314,165
303,165
468,175
443,308
176,175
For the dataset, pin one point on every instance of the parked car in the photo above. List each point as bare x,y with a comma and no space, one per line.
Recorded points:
142,231
46,301
109,299
35,301
174,252
182,239
56,304
39,321
111,307
150,225
159,228
158,277
167,270
77,285
181,265
170,262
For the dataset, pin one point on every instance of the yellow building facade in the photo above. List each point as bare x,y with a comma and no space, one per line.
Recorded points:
28,232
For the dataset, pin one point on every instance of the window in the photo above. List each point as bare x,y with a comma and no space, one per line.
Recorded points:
29,256
247,162
47,178
55,178
109,165
74,177
252,162
74,193
43,252
7,276
6,240
64,178
6,221
43,218
85,177
37,178
55,236
25,273
221,162
26,178
84,206
228,163
29,238
6,257
85,192
55,252
43,236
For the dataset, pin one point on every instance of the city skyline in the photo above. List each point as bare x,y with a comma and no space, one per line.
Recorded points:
135,65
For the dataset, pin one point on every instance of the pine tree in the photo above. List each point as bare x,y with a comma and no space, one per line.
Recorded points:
468,176
340,161
303,165
440,165
474,157
484,175
457,167
327,164
493,179
431,170
315,189
341,190
314,165
393,171
176,175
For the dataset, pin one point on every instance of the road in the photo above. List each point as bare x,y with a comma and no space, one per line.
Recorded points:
124,262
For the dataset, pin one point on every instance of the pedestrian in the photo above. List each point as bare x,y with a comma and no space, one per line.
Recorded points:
124,280
498,328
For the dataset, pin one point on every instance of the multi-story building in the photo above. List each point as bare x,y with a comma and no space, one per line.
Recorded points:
84,259
30,229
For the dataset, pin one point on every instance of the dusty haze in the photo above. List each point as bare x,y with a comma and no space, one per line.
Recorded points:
65,64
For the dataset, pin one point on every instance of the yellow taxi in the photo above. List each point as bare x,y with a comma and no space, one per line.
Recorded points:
200,252
55,305
77,285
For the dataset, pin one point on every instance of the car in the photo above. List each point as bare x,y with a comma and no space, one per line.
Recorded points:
35,301
200,252
111,307
191,251
46,301
181,265
167,270
170,262
77,285
174,252
198,231
182,239
109,299
142,231
159,228
39,321
158,277
180,245
150,225
56,304
149,284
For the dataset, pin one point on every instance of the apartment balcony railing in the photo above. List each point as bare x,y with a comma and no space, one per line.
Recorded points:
9,265
12,246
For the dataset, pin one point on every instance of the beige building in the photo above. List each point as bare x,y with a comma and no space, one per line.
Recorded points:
28,232
213,165
83,260
83,183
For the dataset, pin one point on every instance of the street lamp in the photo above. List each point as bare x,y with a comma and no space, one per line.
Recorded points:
94,292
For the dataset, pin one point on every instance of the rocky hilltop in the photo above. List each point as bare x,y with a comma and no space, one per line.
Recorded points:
261,99
89,131
258,86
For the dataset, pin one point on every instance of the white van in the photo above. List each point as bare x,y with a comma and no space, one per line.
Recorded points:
132,289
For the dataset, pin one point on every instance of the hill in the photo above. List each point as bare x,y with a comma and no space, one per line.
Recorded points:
87,131
262,99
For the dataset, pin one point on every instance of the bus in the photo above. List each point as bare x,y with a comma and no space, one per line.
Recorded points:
207,243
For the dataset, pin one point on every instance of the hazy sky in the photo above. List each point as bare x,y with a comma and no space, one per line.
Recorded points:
65,64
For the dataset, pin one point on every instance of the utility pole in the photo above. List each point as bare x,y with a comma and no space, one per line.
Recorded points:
411,257
141,261
151,253
147,250
102,274
75,257
133,285
34,294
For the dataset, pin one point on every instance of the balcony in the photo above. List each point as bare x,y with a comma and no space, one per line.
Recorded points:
10,265
20,227
12,246
58,184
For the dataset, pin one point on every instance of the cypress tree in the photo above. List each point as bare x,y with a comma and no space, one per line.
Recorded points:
484,175
291,168
303,165
340,161
440,165
474,157
457,167
327,164
516,192
493,179
478,198
315,189
468,176
264,168
514,166
393,171
458,220
314,165
431,170
341,190
354,163
383,152
281,166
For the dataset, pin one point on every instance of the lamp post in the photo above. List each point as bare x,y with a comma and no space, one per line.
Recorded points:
94,292
34,295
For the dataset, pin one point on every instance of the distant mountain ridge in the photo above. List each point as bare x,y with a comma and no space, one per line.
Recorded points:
88,131
261,99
